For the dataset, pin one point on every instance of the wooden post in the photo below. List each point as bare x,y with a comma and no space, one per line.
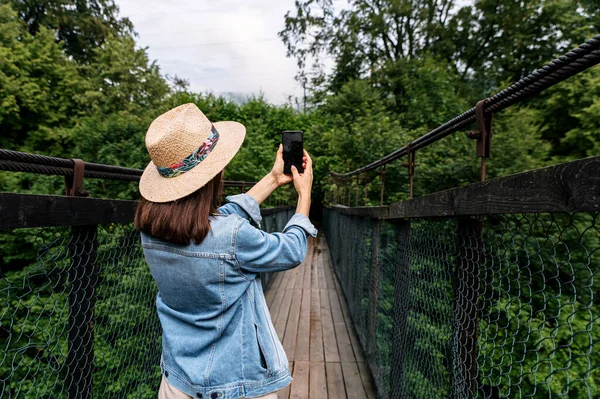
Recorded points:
83,277
468,258
400,312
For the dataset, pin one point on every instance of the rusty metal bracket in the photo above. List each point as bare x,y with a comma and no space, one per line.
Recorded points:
411,168
483,135
74,184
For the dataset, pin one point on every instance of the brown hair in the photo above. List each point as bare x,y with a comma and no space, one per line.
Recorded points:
182,220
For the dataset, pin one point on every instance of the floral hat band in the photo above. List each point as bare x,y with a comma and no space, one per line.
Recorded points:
173,172
189,162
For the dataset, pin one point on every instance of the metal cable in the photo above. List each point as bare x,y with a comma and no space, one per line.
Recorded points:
575,61
13,166
17,156
16,161
24,158
62,171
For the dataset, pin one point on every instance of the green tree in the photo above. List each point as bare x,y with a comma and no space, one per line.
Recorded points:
367,38
504,40
122,80
571,116
486,42
38,84
82,25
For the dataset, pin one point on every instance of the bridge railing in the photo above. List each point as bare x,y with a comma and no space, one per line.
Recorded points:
77,312
485,291
575,61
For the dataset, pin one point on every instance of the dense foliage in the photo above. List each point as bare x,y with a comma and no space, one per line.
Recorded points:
74,84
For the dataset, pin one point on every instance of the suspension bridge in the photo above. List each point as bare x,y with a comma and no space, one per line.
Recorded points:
482,291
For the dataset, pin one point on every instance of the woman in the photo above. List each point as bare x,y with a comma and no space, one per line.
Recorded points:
218,338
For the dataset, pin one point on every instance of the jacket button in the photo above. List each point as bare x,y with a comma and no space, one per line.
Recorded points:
214,395
199,395
166,374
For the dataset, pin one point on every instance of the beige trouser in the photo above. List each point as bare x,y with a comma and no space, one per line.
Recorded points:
167,391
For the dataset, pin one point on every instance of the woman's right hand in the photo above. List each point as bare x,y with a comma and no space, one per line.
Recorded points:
303,181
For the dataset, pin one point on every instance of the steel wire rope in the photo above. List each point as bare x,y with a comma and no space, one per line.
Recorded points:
16,161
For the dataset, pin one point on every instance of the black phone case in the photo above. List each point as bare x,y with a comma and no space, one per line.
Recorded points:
290,159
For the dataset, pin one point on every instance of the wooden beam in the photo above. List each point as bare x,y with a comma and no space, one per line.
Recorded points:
30,210
567,187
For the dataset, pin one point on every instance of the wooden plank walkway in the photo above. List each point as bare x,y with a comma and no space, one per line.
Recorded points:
311,318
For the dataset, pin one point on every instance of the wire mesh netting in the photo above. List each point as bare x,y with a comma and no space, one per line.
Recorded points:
77,313
86,290
496,307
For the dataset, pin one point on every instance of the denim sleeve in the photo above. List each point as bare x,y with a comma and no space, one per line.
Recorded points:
258,251
244,206
299,220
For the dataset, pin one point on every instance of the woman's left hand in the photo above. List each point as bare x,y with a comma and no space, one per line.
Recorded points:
277,171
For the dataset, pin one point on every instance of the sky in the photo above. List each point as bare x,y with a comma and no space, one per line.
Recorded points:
224,46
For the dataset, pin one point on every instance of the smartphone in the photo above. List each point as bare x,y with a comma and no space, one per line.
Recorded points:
293,150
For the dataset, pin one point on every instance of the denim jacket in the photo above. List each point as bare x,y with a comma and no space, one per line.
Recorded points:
218,337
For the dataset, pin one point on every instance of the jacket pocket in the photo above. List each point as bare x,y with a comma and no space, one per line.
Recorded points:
263,359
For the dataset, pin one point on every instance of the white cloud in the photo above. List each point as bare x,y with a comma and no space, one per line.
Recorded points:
224,46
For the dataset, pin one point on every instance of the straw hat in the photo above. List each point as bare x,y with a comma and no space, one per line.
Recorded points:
187,151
